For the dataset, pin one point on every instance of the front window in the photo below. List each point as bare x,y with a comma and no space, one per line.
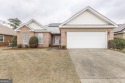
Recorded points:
1,38
40,38
5,81
25,38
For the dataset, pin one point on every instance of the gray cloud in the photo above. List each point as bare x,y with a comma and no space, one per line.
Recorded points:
49,11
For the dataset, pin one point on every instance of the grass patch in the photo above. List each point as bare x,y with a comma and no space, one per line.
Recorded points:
46,65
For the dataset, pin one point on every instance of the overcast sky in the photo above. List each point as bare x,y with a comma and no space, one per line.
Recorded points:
53,11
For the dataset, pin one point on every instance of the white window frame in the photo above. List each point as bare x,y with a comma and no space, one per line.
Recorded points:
3,38
27,38
41,35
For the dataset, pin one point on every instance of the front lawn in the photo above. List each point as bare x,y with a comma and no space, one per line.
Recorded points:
37,66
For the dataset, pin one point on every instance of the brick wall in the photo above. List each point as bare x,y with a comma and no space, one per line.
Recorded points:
7,39
46,36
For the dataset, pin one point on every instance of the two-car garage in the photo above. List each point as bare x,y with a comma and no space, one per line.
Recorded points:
86,39
87,29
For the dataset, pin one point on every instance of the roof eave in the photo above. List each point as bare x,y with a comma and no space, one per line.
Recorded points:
20,30
88,26
55,33
119,32
41,31
10,34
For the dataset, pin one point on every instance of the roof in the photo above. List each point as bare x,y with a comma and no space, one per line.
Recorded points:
54,28
108,23
34,26
54,24
119,28
4,30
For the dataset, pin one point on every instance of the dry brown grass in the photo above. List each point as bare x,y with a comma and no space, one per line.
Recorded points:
37,66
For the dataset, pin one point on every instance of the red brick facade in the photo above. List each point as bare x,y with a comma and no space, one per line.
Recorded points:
7,39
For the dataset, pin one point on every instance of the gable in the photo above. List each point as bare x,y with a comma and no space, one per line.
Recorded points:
24,26
34,25
25,29
87,18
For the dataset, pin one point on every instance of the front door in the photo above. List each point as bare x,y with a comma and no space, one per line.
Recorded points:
56,40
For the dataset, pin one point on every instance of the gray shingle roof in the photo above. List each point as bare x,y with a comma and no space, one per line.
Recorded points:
6,30
119,28
54,24
40,30
54,28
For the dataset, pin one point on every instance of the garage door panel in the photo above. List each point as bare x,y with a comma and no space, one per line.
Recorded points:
86,40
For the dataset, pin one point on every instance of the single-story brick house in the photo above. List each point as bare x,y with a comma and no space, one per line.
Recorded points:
120,31
86,29
6,35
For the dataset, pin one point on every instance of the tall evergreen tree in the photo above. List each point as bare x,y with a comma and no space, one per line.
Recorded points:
14,22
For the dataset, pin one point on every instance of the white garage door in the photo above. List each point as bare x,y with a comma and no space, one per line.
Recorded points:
86,39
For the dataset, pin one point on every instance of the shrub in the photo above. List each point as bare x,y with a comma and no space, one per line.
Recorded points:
63,47
117,43
120,43
19,46
33,42
111,44
14,41
26,46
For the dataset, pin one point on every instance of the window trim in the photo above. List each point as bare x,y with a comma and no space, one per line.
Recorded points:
3,38
6,80
27,38
41,37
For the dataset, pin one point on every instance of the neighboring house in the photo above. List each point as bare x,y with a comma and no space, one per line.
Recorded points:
120,31
86,29
6,35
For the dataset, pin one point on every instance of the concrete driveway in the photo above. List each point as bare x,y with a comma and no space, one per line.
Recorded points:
99,65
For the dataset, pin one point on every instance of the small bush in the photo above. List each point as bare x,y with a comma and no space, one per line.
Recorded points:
63,47
33,42
14,41
117,43
19,46
26,46
111,44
